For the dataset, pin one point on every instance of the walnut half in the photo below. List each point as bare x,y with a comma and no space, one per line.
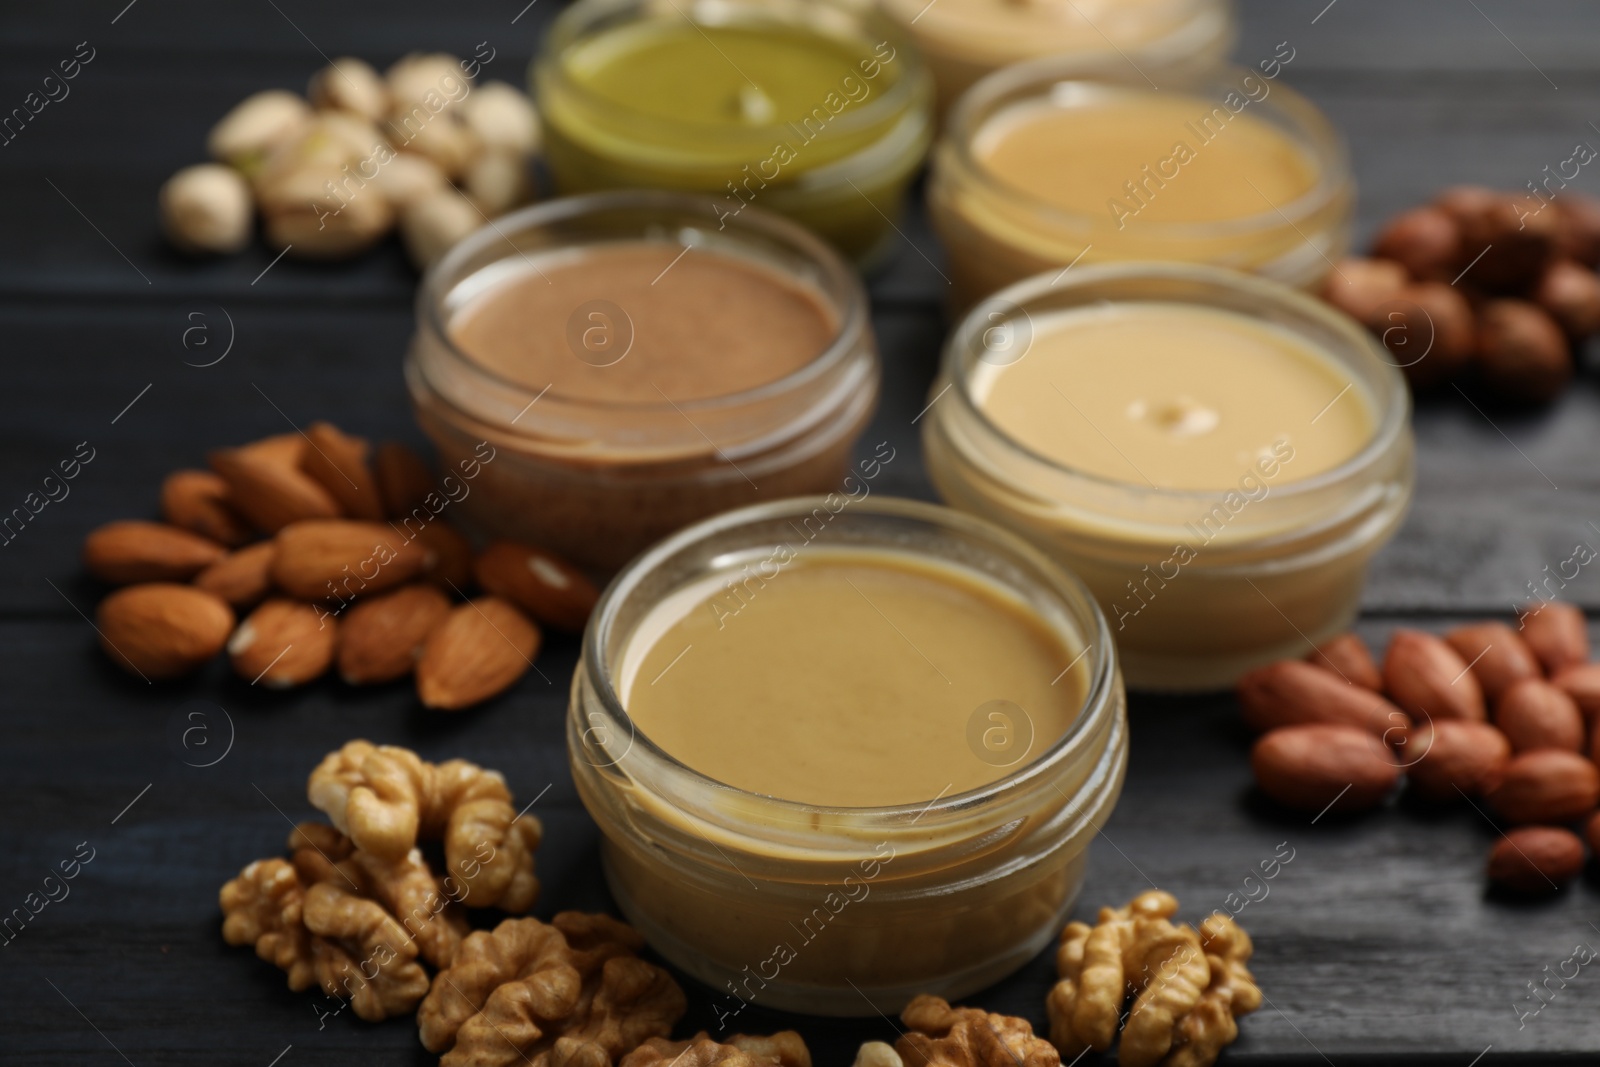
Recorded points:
943,1036
388,798
570,993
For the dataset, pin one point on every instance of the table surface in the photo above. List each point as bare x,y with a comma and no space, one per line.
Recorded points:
1377,942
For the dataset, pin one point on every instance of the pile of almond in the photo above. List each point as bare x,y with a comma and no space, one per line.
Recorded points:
1484,287
335,554
419,147
1508,716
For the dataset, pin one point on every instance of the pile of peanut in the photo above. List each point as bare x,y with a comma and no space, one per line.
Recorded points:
1507,716
337,555
1493,289
418,146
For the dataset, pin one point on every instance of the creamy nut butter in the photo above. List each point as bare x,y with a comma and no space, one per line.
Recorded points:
962,40
1176,396
845,739
910,651
1046,165
692,325
632,363
1217,456
818,110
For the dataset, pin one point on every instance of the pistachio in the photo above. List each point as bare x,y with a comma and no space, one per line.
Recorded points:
350,84
432,225
498,181
207,208
503,117
256,126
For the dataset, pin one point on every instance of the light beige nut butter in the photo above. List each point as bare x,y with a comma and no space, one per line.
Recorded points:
1046,165
632,363
1175,396
962,40
725,680
1217,456
844,750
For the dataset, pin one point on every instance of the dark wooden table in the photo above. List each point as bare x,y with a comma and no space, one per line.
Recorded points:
1376,943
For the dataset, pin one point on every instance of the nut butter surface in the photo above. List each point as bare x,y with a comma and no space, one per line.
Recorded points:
852,679
1176,397
643,322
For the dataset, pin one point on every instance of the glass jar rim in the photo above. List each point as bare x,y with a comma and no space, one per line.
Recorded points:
1194,11
576,21
1394,403
446,273
1310,127
1099,698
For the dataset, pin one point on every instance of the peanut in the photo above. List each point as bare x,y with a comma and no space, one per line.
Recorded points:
1312,766
1547,785
1348,656
1428,679
1446,758
1536,859
1535,714
1557,633
1498,656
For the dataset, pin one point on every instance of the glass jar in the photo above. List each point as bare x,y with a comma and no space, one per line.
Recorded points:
1195,600
996,234
844,911
964,40
597,481
834,150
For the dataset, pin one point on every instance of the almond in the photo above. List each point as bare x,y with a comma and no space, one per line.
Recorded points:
1347,656
283,449
404,480
1535,714
1429,680
1557,633
1292,692
337,559
1582,684
161,629
480,649
1498,656
242,578
269,493
451,566
132,551
549,589
197,501
1591,832
1546,785
381,638
1448,755
1311,767
338,462
1535,859
283,643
